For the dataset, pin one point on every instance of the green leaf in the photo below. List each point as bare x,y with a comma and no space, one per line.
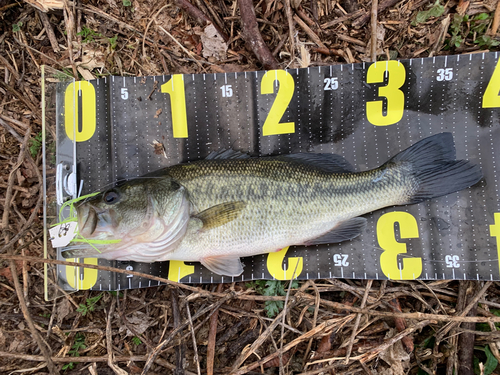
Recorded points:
17,26
491,362
273,308
136,340
127,3
436,10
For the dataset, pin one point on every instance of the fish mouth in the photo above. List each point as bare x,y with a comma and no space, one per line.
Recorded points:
87,219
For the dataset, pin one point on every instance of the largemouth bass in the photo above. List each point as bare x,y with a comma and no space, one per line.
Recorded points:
228,206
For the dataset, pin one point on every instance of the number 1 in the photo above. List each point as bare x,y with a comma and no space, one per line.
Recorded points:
175,88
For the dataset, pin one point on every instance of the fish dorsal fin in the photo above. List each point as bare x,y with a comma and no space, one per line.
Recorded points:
347,230
227,154
223,265
331,163
220,214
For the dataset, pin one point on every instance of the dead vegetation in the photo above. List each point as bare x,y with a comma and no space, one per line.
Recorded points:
320,327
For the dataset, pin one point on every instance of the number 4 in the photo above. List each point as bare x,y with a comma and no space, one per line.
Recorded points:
491,97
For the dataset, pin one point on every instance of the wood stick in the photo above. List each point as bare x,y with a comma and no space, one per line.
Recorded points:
309,31
212,335
50,32
252,36
199,16
381,7
373,49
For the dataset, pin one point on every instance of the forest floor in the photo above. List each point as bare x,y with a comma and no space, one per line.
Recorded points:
322,326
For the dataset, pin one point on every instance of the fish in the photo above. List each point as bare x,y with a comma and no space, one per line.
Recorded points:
231,205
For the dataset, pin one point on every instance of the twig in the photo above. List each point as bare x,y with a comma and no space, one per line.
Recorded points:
338,20
172,334
9,67
401,326
496,20
11,131
109,341
263,337
195,346
69,20
329,324
358,319
199,16
180,348
182,47
373,49
10,184
443,331
291,29
366,16
466,340
309,32
440,40
373,353
212,335
252,36
50,32
35,111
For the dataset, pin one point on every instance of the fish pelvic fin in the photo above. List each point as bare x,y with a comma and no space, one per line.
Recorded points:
223,265
435,169
344,231
220,214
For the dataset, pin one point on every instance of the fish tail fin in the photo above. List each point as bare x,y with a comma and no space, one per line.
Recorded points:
435,169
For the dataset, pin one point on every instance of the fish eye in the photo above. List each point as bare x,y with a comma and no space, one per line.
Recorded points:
111,197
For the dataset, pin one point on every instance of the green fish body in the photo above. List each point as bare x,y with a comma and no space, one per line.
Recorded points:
228,206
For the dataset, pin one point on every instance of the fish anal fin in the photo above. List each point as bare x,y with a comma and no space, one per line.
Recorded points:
346,230
223,265
220,214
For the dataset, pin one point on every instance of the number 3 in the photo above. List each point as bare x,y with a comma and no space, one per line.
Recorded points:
395,97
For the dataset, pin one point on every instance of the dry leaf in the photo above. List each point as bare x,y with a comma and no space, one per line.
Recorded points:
139,321
213,43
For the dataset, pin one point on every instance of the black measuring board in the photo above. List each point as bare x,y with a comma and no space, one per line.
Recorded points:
367,112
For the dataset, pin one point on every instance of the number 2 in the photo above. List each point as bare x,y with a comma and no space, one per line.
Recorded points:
272,125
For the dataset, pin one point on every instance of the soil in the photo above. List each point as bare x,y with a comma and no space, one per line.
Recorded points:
324,326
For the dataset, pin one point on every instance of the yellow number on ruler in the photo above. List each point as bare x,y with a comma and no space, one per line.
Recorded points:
74,91
82,278
408,228
395,97
275,265
178,269
491,97
175,88
284,95
495,232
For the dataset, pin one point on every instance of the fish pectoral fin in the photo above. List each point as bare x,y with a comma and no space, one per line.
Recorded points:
223,265
221,214
346,230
